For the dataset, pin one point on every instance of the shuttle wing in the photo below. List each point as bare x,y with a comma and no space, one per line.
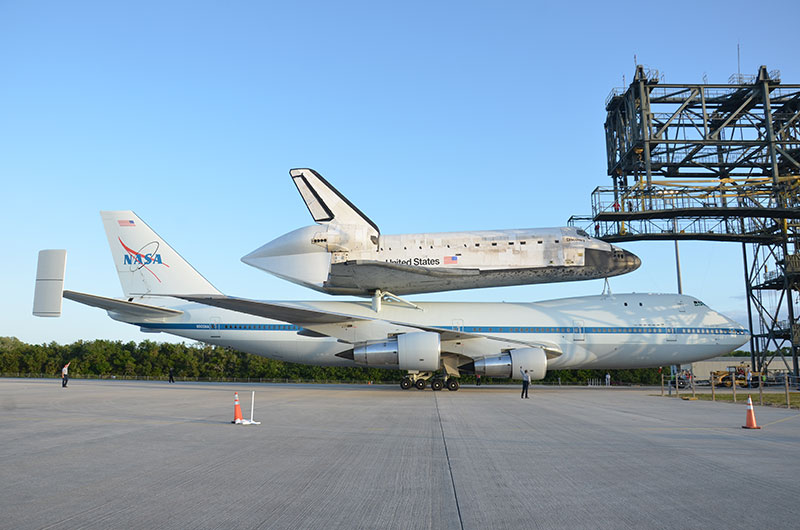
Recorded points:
359,276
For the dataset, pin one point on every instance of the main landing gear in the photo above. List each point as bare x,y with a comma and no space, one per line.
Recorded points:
420,380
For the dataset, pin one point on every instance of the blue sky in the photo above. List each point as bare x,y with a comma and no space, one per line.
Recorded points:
429,116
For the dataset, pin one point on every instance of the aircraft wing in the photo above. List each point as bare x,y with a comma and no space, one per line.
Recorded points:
277,311
449,335
122,306
303,316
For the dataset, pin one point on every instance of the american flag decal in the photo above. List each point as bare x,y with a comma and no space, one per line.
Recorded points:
449,260
126,223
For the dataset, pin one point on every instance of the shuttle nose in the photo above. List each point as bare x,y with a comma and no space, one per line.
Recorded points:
631,260
623,261
604,263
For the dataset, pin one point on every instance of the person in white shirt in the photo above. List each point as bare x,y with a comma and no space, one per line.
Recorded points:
65,376
526,381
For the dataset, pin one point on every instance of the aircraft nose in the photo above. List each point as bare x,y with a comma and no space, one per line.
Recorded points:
624,261
632,261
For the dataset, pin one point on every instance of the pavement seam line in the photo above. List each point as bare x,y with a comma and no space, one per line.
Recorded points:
449,467
778,421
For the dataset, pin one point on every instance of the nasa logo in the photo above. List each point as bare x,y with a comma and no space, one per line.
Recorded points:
147,255
141,259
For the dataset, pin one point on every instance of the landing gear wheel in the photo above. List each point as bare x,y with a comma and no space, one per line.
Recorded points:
405,383
437,384
453,385
420,384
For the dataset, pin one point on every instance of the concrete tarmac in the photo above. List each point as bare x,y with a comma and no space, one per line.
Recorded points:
127,454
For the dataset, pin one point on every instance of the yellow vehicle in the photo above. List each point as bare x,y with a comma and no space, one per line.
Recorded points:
734,373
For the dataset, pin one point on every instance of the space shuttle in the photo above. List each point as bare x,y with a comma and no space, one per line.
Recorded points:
344,253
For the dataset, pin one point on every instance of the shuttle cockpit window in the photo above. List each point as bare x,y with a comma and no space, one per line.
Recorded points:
582,233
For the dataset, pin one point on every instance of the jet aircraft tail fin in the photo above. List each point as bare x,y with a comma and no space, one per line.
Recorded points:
326,204
145,263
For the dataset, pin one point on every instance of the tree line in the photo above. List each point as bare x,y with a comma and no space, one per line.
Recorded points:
105,358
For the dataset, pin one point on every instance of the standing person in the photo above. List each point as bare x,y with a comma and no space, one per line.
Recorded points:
478,380
608,379
65,375
171,378
749,378
526,381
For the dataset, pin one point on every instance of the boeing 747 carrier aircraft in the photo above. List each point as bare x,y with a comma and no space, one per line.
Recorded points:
345,253
435,342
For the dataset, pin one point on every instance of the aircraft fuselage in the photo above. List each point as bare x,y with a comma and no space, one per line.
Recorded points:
604,332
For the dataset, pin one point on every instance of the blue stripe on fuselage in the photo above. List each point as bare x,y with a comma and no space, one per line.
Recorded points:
659,330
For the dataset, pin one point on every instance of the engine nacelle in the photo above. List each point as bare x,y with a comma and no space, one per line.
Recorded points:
408,351
534,360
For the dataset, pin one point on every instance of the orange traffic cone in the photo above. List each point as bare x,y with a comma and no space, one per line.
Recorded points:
237,409
751,416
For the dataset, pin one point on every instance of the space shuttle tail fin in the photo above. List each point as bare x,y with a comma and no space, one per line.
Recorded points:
145,263
326,204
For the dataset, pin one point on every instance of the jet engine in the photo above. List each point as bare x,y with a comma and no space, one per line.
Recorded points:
407,351
534,360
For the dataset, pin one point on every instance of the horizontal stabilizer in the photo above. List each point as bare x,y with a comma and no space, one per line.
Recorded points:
49,283
122,306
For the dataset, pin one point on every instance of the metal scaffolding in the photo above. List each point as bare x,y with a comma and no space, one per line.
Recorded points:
715,163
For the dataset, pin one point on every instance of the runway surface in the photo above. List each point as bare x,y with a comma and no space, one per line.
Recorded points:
114,454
